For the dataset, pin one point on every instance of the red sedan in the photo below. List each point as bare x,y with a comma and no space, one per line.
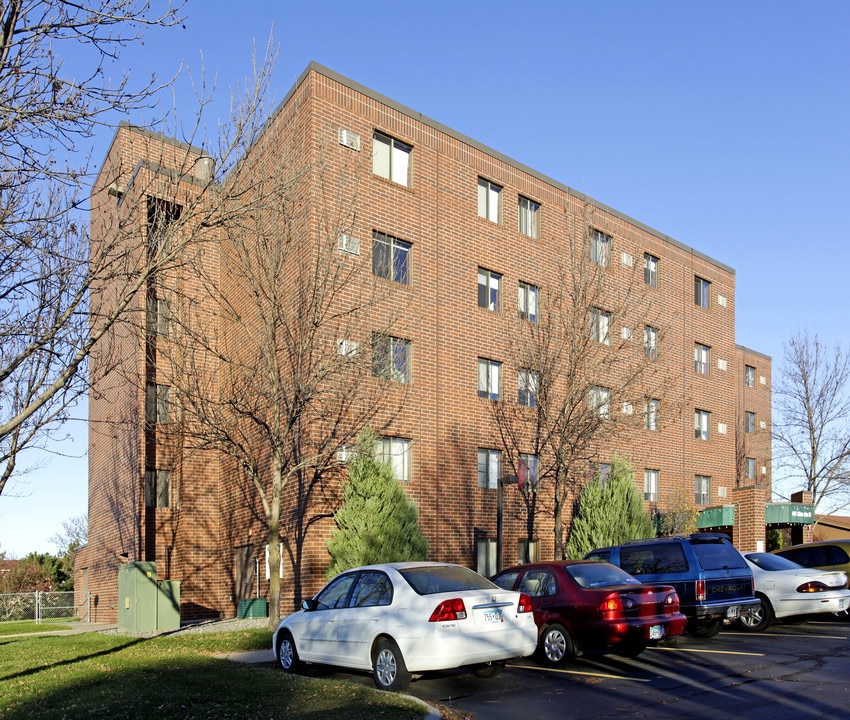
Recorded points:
586,605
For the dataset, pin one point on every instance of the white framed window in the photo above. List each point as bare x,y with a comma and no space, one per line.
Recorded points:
391,258
157,403
702,489
529,217
651,408
749,376
528,471
391,158
650,270
158,488
650,485
527,301
489,290
600,248
489,468
750,468
650,342
489,200
528,383
702,292
600,401
396,452
489,379
391,358
702,359
600,326
702,423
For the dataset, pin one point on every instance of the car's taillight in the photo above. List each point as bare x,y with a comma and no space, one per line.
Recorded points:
524,604
811,587
448,610
612,607
700,590
671,603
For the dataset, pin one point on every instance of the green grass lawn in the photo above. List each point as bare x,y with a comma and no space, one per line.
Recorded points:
93,675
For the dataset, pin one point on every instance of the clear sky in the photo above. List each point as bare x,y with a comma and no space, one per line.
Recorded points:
722,123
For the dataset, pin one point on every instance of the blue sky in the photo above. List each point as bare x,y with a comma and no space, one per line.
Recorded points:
723,124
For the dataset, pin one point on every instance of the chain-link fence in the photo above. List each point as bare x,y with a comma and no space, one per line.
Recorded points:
42,605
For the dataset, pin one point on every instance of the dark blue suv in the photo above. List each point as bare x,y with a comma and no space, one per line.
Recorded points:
711,577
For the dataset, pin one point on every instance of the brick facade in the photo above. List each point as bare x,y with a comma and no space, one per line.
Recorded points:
209,539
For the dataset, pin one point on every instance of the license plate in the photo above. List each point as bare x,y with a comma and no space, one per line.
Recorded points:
656,632
493,616
733,612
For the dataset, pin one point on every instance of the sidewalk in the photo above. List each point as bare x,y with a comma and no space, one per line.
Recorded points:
77,628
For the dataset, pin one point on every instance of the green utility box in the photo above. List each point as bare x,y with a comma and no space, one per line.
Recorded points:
252,608
146,604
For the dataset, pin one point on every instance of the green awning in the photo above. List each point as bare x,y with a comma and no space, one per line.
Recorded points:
789,514
713,517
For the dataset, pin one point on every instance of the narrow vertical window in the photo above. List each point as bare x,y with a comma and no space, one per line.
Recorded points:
749,376
702,359
650,485
489,379
489,200
702,292
529,217
702,422
489,290
650,342
391,158
489,468
702,489
600,247
527,304
528,382
600,324
600,401
650,270
650,417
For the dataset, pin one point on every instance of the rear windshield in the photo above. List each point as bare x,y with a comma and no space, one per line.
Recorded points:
718,555
599,574
430,579
767,561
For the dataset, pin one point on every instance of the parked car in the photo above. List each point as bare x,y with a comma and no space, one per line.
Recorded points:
401,618
583,605
785,589
823,554
712,579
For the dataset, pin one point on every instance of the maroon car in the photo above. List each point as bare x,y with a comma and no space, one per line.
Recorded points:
587,605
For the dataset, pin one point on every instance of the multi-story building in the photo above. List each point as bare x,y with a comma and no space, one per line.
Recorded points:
466,249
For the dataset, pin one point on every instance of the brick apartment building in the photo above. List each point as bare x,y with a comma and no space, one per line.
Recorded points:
466,243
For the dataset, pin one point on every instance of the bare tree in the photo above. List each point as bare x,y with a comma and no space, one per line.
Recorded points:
813,431
50,109
583,372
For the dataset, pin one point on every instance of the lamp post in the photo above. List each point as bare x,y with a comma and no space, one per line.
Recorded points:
506,480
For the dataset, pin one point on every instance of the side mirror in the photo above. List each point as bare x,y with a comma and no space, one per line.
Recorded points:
309,604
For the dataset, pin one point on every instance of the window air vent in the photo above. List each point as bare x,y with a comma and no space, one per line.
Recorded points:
349,244
345,454
349,139
721,492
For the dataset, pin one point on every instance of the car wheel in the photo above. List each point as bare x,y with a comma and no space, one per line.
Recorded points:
706,630
488,670
556,646
389,671
287,655
757,618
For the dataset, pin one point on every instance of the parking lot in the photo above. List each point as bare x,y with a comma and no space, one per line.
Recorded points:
800,671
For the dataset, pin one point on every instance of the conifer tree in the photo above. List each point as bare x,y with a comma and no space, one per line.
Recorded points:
610,513
376,522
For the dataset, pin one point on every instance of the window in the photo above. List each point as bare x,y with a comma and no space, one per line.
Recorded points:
600,247
749,376
489,379
157,403
161,216
702,421
650,270
395,451
600,325
650,485
391,258
702,489
157,488
489,468
528,383
489,290
529,218
527,303
391,358
702,290
600,401
603,472
158,320
650,341
372,589
750,468
749,422
528,471
489,200
650,413
702,359
391,159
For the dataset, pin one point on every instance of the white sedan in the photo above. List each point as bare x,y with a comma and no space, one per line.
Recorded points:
401,618
787,589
